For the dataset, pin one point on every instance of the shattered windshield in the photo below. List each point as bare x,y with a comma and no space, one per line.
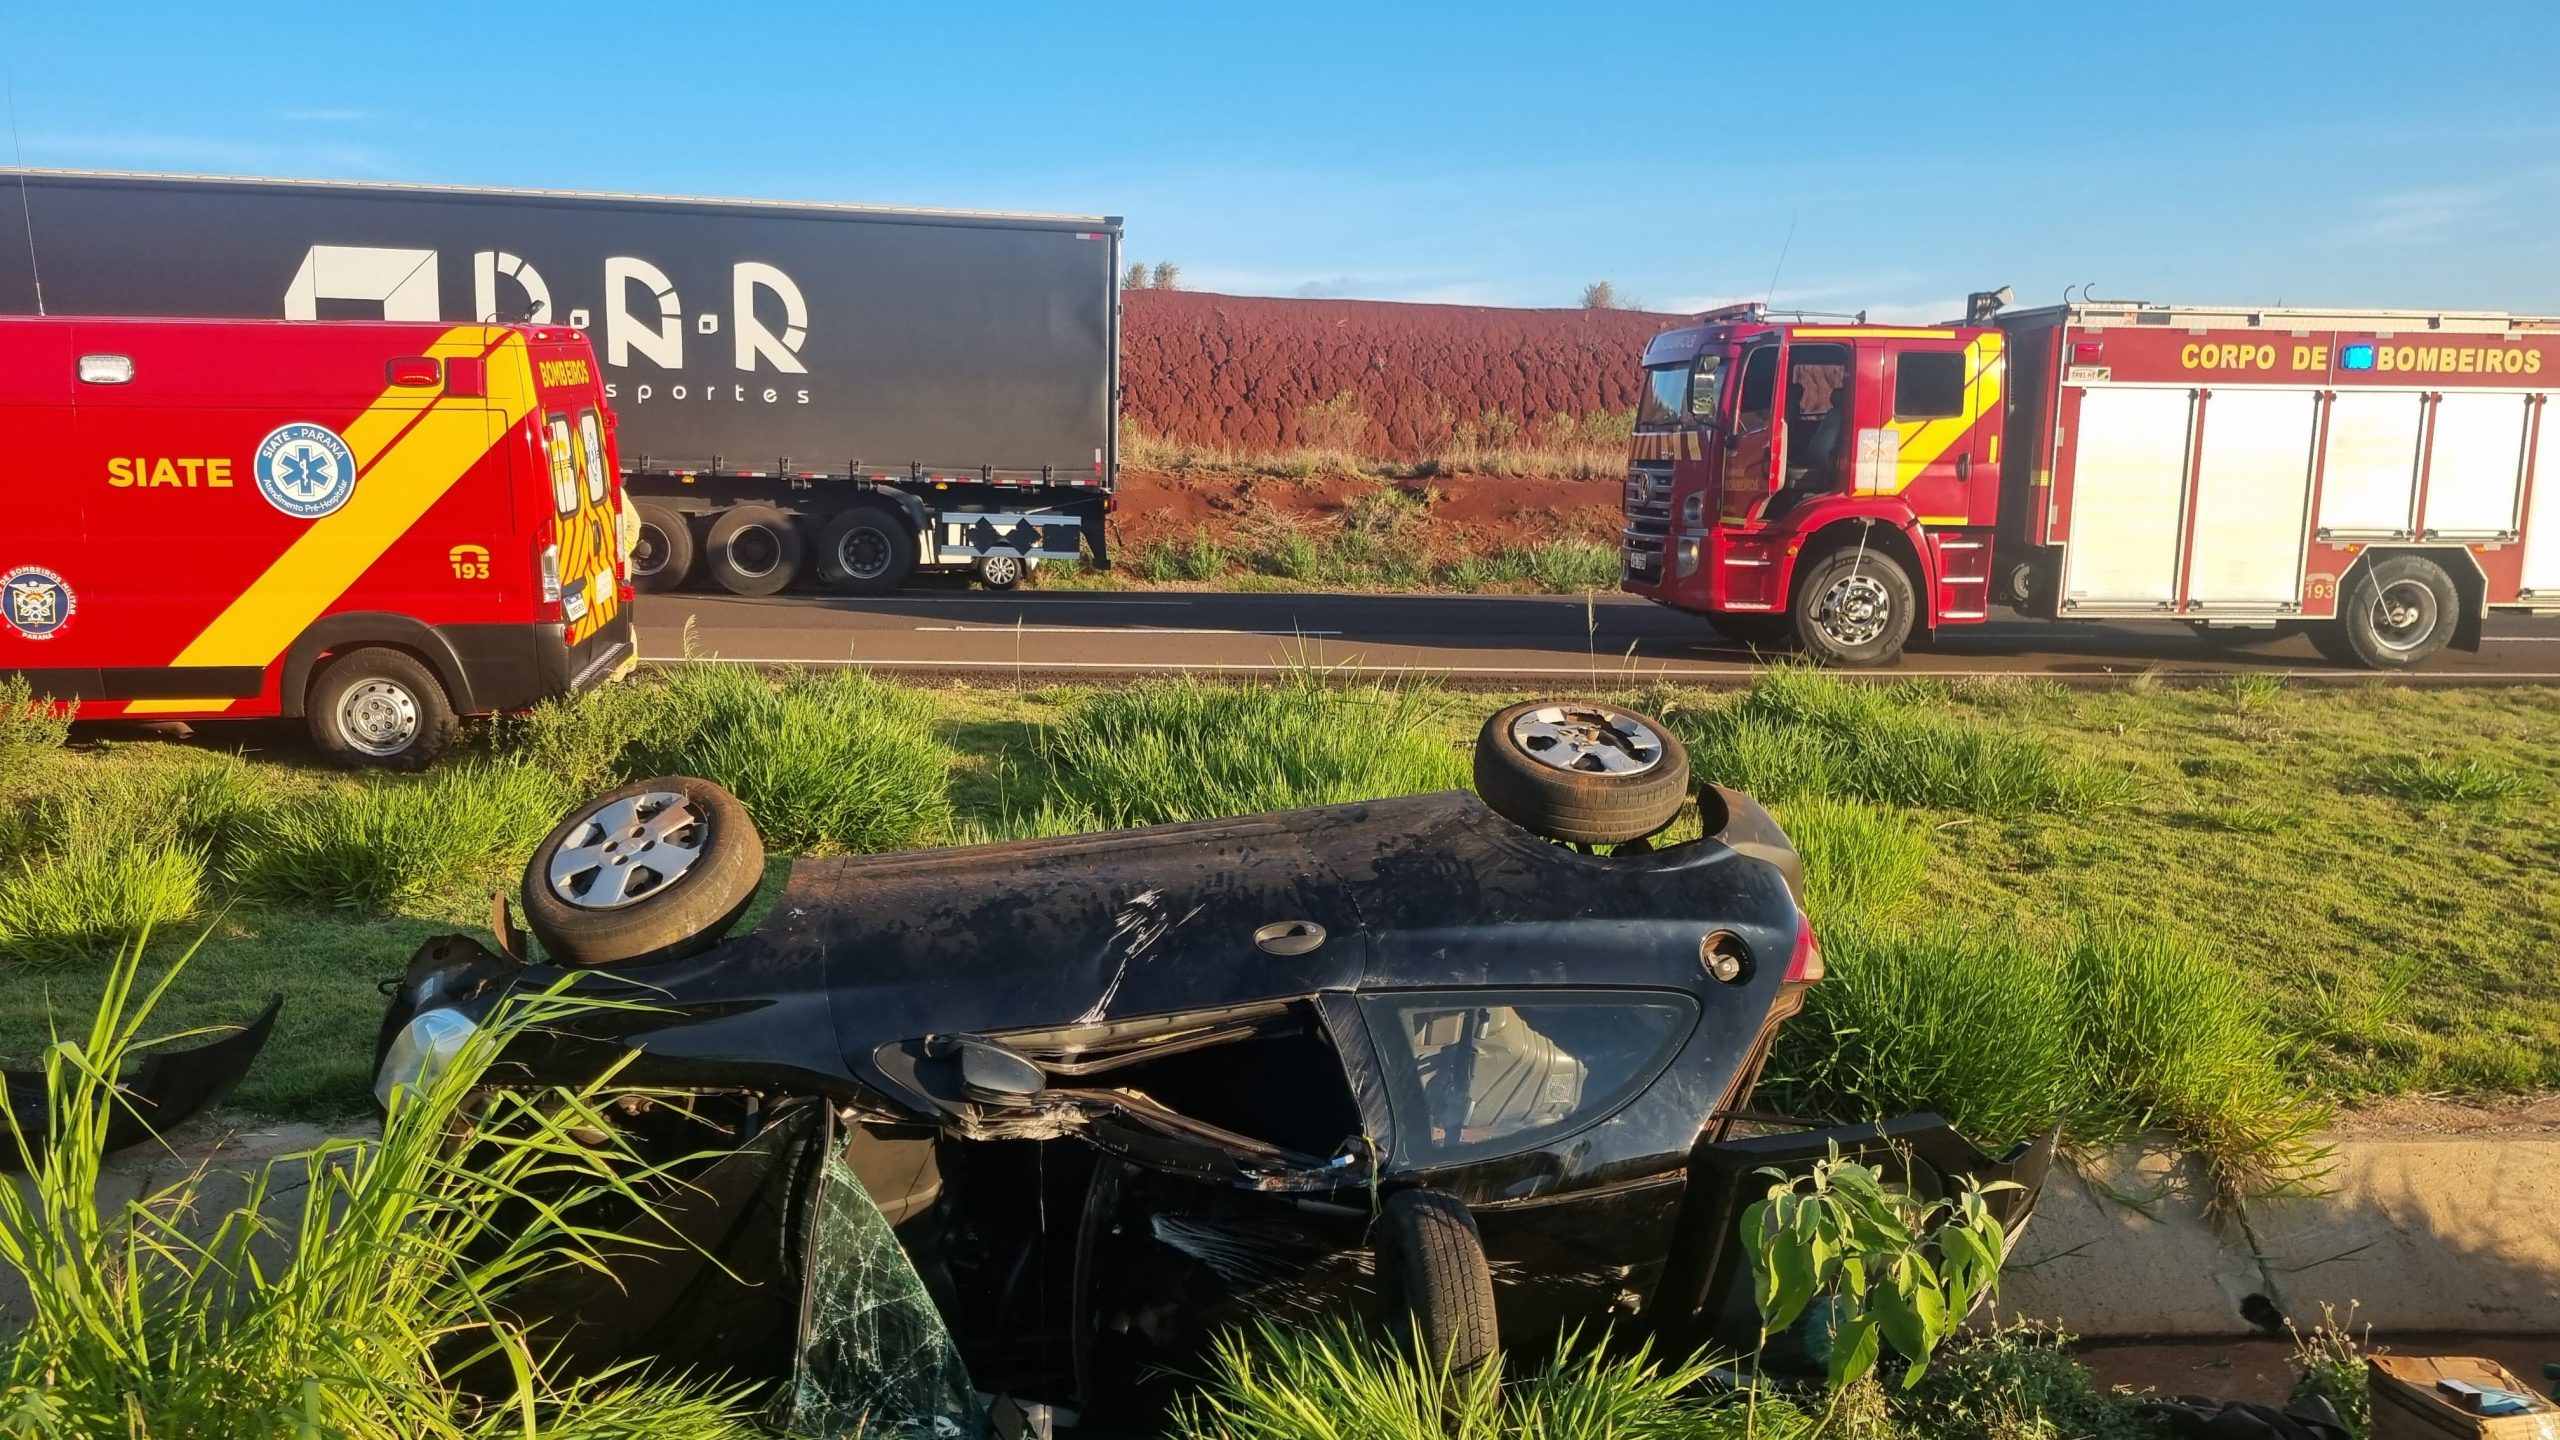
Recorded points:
877,1362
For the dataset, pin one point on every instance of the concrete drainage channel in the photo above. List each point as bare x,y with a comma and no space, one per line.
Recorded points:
2452,1227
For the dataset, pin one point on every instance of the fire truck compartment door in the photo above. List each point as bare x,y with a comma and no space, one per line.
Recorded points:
2542,542
2253,500
2475,466
2369,479
2128,498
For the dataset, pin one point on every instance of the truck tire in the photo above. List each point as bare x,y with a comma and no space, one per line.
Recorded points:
654,870
1854,607
754,550
866,549
2397,612
1433,1276
1759,631
1001,572
663,557
1581,771
378,708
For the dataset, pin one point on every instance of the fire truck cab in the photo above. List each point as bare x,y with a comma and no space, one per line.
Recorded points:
2369,478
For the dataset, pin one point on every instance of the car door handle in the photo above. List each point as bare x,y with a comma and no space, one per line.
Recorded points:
1964,466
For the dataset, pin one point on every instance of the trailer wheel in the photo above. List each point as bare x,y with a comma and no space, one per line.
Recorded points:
754,550
866,549
378,708
2396,613
655,870
1433,1276
1581,771
1854,607
663,557
1000,572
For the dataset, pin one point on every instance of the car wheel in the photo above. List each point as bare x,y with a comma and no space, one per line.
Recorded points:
753,550
866,550
1433,1276
1582,771
1000,572
663,557
378,708
1761,632
655,870
2397,613
1854,607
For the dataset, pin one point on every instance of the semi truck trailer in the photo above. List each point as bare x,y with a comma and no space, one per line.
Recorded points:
846,393
2379,480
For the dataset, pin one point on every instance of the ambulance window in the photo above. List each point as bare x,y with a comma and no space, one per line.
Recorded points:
564,468
591,453
1928,385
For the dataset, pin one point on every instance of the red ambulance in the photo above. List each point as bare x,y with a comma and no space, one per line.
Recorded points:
376,527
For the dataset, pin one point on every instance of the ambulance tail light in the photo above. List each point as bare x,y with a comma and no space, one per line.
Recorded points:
414,371
550,574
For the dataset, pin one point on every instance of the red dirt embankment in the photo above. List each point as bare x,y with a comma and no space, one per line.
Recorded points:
1240,372
1469,515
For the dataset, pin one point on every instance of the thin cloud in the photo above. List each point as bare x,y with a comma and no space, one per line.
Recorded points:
2420,216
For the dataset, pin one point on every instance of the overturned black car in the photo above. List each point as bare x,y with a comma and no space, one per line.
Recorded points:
1482,1062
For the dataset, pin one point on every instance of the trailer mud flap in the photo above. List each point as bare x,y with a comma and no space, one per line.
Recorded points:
169,1088
1705,1297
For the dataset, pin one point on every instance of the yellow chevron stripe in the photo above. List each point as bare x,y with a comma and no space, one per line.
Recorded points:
1924,442
411,447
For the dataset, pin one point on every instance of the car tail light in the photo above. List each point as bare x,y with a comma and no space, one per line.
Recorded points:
1804,962
551,574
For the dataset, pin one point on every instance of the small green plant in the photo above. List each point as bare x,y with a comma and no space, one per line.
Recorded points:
30,724
1896,1271
2426,778
2252,691
2329,1364
2014,1382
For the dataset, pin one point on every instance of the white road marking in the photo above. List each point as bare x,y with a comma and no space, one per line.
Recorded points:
1036,628
1607,670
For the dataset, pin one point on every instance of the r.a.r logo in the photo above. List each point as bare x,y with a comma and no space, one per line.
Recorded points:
470,562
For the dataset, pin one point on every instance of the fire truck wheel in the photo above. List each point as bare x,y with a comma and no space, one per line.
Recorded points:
1581,771
753,550
1434,1277
1854,608
655,870
2397,612
663,558
866,550
378,708
999,572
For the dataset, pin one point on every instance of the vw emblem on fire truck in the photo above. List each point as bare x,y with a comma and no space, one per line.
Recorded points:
35,601
305,470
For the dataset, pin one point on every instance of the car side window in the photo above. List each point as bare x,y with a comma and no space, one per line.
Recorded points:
1492,1071
591,455
564,468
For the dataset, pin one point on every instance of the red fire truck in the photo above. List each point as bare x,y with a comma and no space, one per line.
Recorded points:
372,526
2377,479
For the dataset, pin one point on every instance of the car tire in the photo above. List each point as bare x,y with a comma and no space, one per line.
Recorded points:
754,550
866,549
1581,771
581,897
663,558
1001,572
1433,1277
1772,631
378,708
1854,608
2396,613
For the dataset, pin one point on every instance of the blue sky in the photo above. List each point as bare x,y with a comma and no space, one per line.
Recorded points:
2342,153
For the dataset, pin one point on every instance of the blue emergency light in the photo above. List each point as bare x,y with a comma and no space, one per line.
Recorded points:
2355,357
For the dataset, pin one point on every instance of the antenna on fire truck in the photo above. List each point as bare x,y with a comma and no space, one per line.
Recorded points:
1780,268
25,210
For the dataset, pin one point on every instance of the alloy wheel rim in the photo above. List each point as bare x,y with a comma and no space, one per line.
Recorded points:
379,717
1854,611
2404,614
1590,739
1001,569
627,850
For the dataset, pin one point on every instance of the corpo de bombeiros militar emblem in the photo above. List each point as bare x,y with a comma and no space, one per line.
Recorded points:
36,602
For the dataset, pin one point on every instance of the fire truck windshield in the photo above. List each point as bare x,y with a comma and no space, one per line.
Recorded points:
1673,393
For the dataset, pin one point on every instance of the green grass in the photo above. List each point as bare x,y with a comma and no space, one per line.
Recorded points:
2467,781
2175,845
29,726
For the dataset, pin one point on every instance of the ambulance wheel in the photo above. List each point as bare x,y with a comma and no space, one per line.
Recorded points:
1434,1277
754,550
378,708
1854,607
2396,613
1581,771
663,558
654,870
866,550
1000,572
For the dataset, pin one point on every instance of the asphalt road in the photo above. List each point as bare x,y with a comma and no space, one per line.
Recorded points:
1490,641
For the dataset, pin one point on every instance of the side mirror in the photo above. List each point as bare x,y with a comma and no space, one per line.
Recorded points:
990,1071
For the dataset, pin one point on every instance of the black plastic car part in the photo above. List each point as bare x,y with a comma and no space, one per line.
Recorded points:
168,1088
